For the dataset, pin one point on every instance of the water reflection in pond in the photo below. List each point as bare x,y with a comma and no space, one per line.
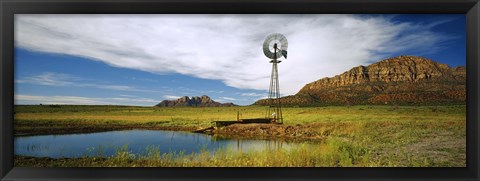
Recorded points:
106,143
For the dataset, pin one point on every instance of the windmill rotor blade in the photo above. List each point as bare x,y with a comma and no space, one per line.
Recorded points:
282,45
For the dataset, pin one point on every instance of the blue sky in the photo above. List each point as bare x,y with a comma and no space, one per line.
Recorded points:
143,59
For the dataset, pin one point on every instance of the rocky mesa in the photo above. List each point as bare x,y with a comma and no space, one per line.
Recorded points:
203,101
402,80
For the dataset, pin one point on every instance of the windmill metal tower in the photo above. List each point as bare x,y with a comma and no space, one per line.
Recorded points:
274,47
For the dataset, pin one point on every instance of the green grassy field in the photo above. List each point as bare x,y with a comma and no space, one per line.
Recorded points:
373,136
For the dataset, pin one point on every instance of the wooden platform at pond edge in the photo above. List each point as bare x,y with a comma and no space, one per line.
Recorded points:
242,121
216,124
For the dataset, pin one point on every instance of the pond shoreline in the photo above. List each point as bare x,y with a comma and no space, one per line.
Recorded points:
239,131
85,130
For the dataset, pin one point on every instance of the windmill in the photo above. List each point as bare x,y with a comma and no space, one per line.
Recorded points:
275,47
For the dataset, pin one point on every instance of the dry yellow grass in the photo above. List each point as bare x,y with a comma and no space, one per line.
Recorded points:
354,136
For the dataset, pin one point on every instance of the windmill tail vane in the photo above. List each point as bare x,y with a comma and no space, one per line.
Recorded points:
284,53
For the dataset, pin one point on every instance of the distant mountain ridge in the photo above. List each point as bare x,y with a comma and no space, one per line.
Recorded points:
185,101
402,80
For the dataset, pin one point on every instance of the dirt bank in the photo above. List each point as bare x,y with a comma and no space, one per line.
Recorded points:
302,132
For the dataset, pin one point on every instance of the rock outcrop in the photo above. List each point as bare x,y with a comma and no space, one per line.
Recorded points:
402,80
203,101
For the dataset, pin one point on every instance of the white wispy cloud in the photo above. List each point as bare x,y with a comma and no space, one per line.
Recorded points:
61,80
49,79
228,98
252,94
226,47
213,91
143,79
79,100
171,97
131,96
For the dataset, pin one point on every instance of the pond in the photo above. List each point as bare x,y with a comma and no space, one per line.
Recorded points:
107,143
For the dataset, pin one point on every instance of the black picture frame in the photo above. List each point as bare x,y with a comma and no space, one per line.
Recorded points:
471,8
